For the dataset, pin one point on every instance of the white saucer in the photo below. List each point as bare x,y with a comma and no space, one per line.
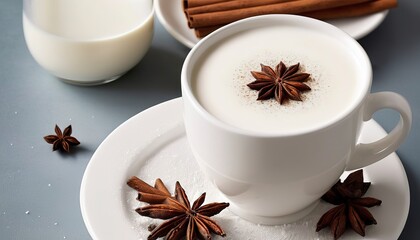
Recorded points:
153,144
170,13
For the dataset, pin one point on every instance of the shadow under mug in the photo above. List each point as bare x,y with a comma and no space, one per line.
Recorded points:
279,178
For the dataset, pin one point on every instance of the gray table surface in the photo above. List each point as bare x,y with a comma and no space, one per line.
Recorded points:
39,189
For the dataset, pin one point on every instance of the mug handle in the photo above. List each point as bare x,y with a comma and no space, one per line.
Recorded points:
366,154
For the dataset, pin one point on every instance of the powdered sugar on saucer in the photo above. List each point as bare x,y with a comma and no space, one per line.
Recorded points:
174,162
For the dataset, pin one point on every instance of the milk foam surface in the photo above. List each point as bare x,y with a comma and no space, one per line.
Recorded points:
220,79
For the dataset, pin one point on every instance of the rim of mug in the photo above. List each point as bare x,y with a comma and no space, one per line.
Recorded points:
147,19
257,21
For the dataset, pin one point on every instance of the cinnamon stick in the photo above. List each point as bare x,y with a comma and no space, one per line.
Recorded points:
195,3
230,5
204,31
356,10
293,7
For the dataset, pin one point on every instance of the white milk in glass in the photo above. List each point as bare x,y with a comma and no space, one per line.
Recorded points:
88,40
220,79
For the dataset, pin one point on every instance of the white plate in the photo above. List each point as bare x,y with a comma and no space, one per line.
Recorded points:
153,144
170,13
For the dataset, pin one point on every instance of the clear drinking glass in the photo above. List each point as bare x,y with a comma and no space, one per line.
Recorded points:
88,42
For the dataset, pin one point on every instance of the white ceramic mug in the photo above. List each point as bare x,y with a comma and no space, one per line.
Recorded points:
279,178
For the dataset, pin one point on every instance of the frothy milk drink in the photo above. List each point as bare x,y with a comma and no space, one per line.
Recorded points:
221,77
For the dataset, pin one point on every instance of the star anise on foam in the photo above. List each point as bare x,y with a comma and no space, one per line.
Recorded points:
281,83
181,219
62,140
351,210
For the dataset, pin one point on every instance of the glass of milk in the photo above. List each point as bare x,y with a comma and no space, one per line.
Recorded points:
88,42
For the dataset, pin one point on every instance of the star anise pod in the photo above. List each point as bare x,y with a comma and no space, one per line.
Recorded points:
181,219
351,210
281,83
62,140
